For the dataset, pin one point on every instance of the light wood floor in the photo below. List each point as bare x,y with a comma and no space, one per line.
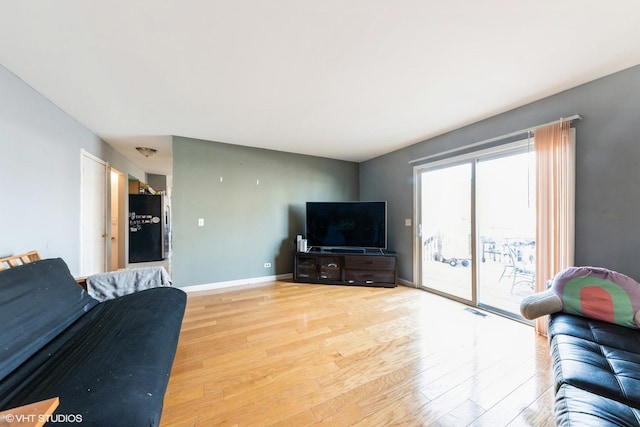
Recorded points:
293,354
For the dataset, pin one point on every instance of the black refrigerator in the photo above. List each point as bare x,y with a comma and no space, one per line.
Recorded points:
146,227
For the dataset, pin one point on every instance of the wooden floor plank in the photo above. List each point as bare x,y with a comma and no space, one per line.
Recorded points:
286,353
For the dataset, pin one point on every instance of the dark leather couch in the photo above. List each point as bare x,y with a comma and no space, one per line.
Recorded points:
597,371
108,362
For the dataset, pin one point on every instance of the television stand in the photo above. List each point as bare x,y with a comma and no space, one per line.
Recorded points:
362,268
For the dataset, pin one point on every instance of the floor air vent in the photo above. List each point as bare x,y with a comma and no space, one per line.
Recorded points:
476,312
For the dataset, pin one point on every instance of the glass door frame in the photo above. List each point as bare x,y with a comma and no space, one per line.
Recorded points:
472,158
418,171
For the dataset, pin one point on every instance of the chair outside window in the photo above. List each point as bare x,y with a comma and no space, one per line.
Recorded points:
519,264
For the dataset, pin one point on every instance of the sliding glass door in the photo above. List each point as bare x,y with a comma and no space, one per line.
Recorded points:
477,228
446,230
505,201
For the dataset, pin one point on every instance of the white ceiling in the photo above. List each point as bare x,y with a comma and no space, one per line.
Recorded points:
345,79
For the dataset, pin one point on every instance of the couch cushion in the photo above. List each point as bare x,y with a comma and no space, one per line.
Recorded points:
600,332
607,371
576,407
37,302
111,366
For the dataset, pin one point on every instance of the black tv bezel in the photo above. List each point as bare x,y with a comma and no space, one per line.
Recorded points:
347,247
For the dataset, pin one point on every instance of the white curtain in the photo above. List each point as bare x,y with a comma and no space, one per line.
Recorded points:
555,205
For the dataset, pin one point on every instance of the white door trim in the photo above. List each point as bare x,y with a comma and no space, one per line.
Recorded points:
84,250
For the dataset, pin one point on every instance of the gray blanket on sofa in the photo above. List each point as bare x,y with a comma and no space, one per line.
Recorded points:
105,286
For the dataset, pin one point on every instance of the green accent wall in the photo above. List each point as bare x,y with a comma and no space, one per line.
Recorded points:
252,202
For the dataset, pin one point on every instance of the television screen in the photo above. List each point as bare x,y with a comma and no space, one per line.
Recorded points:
347,224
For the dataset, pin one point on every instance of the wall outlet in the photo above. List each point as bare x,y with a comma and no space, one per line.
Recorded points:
267,265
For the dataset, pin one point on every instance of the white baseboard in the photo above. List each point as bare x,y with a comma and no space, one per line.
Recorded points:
257,280
232,283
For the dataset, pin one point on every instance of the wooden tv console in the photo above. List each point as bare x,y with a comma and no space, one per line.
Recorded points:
346,268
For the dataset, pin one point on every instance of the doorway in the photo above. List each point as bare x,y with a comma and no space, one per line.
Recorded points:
118,220
93,214
446,230
476,223
506,222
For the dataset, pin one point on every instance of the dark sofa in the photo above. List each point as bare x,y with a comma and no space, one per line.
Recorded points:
108,362
594,336
597,371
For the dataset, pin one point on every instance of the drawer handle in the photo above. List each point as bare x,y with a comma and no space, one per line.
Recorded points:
368,282
368,262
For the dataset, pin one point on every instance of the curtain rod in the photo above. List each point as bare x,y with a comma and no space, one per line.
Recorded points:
496,138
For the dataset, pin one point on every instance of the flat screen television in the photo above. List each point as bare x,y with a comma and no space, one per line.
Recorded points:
347,225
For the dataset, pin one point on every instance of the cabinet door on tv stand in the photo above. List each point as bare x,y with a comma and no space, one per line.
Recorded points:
371,278
306,267
376,270
330,268
318,268
370,262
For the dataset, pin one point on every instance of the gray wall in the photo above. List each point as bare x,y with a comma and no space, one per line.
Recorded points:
607,169
245,223
40,173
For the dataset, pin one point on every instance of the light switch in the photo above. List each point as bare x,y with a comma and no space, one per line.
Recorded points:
200,222
407,222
